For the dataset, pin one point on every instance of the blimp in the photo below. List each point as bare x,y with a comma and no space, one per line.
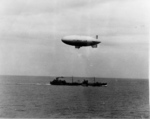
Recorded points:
81,41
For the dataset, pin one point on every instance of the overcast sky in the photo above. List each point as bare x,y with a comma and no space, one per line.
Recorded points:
31,32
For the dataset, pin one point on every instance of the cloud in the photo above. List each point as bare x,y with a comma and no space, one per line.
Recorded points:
29,7
86,17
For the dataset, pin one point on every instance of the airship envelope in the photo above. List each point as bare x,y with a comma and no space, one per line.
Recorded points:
81,41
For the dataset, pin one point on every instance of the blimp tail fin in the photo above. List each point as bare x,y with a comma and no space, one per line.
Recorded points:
96,36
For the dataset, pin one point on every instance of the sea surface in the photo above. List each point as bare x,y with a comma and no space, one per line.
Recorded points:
34,97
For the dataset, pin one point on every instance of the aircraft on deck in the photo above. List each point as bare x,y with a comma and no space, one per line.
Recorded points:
81,41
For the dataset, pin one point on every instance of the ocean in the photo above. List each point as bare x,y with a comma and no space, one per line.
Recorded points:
34,97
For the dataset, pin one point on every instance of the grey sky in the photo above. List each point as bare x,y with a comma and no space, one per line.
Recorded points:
31,32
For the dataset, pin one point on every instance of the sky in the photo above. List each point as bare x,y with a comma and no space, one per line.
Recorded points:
31,32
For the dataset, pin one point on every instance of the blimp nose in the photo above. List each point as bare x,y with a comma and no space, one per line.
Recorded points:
62,39
65,41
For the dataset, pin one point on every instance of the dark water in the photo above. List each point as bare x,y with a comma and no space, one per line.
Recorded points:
33,97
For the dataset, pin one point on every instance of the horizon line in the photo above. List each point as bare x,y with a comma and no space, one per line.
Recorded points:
74,76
